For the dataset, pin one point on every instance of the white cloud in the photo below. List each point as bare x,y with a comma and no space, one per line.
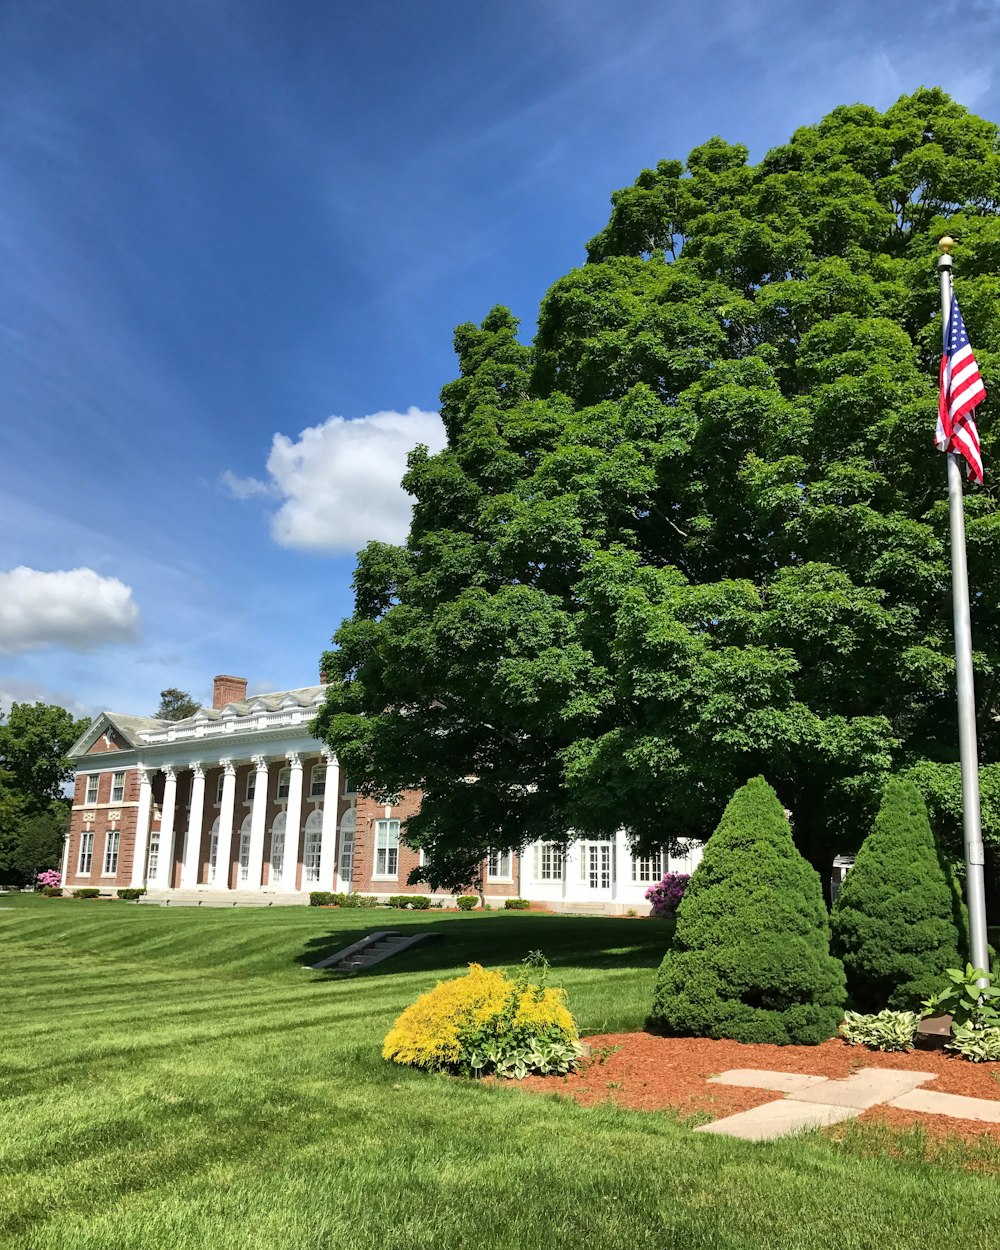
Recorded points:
340,481
74,608
22,690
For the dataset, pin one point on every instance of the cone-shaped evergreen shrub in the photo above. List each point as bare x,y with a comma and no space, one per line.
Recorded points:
895,920
751,958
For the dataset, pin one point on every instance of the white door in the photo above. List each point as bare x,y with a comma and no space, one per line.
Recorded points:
597,868
277,860
311,850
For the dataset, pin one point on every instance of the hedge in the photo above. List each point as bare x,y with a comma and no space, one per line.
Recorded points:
750,958
896,922
87,891
131,893
516,904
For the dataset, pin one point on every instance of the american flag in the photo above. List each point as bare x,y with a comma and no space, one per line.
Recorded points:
961,390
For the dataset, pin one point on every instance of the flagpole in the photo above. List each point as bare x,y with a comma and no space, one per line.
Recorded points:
968,749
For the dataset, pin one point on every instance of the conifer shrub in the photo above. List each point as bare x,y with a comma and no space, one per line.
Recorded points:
750,958
896,920
488,1022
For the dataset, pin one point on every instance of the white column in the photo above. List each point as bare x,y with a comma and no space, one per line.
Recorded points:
293,822
224,849
165,855
65,859
142,827
621,886
258,812
328,834
192,839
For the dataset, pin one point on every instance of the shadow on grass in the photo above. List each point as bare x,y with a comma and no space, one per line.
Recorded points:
580,941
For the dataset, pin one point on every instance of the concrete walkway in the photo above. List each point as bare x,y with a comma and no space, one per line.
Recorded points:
816,1101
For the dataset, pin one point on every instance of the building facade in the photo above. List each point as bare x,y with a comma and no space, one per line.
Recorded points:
241,799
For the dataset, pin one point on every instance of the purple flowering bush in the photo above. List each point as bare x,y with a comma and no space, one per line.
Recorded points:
49,877
666,895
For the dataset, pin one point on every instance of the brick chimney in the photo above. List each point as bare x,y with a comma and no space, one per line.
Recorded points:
228,690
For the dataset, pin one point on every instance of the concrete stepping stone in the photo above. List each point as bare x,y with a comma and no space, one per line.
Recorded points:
761,1078
956,1105
781,1118
864,1089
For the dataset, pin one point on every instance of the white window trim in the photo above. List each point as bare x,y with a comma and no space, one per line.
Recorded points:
507,876
113,870
386,876
317,774
86,849
556,852
117,798
251,785
284,779
218,788
87,800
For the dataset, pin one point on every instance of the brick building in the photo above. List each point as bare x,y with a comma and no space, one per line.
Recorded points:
241,797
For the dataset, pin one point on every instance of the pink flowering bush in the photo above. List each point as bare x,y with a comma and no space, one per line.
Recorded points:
666,895
49,877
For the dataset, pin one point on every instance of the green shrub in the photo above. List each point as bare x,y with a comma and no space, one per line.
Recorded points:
131,893
358,900
87,891
420,902
320,898
52,891
467,902
894,922
889,1030
399,900
977,1045
488,1022
750,958
516,904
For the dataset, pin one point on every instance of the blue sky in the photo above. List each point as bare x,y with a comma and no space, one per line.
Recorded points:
235,238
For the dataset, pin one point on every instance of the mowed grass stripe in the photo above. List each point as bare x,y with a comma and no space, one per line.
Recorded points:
174,1104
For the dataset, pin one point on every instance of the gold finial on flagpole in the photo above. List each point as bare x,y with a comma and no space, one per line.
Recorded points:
946,245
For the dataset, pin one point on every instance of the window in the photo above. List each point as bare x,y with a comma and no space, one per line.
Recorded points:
92,789
311,848
317,781
548,861
387,848
277,848
112,840
349,786
154,855
284,781
251,784
218,787
245,850
213,851
498,866
647,868
118,788
86,852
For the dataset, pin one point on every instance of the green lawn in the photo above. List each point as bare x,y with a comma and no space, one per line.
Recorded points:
177,1078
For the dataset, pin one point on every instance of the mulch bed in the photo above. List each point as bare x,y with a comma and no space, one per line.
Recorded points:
648,1073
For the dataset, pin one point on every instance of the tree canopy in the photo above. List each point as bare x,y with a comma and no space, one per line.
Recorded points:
176,704
698,530
34,740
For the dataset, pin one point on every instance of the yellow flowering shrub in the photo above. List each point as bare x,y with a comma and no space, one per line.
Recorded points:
486,1021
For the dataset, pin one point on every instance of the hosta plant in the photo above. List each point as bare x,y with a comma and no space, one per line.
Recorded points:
970,997
977,1045
888,1030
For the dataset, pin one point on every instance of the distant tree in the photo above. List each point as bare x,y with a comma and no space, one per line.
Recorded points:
896,923
176,705
34,767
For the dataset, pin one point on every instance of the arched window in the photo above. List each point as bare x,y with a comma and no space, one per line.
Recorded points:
348,825
311,849
245,847
213,851
277,848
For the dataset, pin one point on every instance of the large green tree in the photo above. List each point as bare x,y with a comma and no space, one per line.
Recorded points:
34,740
698,530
